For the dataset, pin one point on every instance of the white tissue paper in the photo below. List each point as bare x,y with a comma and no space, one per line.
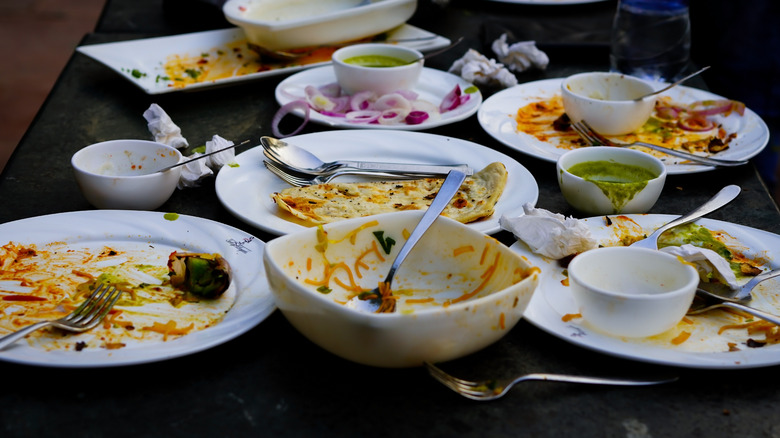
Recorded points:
706,261
520,56
193,172
478,69
549,234
216,161
163,128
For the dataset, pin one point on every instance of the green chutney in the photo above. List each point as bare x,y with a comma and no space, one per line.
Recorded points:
375,61
619,182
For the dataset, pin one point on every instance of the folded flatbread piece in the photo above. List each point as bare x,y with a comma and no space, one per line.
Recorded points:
325,203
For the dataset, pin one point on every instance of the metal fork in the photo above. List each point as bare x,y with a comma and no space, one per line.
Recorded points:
596,139
301,179
86,316
496,388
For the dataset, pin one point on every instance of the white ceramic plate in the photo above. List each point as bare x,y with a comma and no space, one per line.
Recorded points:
100,228
149,55
496,116
548,2
246,190
432,87
553,300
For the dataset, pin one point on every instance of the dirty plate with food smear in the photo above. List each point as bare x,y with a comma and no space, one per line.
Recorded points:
527,118
718,339
50,262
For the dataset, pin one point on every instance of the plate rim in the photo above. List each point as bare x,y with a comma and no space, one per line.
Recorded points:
253,311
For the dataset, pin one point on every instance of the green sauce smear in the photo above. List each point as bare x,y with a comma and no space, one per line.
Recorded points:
375,61
171,216
619,182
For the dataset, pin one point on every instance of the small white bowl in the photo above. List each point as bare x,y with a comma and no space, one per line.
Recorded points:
123,174
447,263
632,292
286,24
588,197
606,101
354,78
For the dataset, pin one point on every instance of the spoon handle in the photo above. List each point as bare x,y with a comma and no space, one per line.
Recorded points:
672,85
775,319
748,287
723,197
448,189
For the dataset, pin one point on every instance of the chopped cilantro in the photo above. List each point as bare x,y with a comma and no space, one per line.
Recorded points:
324,289
386,242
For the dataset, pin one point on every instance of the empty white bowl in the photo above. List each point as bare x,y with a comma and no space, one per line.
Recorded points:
436,318
593,194
291,24
124,174
354,78
606,101
632,292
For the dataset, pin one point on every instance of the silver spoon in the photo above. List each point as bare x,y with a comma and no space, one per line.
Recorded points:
723,197
437,52
674,84
372,300
300,160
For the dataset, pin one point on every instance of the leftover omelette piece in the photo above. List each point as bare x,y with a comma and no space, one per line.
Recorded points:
326,203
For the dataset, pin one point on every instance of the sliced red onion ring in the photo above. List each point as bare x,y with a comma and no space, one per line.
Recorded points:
393,116
392,101
317,100
451,100
365,116
362,100
331,90
416,117
408,94
696,124
705,108
286,109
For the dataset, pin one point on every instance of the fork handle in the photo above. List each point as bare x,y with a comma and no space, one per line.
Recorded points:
692,157
594,380
19,334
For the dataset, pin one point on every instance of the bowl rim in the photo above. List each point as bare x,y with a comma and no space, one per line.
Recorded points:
686,289
603,74
344,310
619,151
335,58
232,11
86,149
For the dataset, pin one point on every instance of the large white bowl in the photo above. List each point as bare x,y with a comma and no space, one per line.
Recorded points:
632,292
606,101
124,174
354,78
290,24
448,262
589,198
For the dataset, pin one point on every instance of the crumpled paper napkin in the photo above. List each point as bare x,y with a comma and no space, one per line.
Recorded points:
162,127
519,56
707,262
549,234
165,131
478,69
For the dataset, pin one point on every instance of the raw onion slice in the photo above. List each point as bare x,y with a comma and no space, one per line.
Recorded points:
393,116
416,117
365,116
317,100
705,108
695,124
363,100
427,107
451,100
286,109
392,101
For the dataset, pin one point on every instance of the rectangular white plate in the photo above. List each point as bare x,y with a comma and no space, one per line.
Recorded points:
149,55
